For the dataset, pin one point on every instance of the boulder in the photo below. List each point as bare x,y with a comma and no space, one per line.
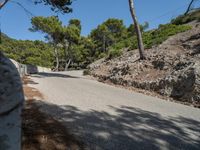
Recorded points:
11,102
183,83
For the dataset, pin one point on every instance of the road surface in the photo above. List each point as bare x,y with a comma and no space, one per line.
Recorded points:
109,118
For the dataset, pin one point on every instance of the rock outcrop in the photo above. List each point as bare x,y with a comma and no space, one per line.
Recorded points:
11,102
172,68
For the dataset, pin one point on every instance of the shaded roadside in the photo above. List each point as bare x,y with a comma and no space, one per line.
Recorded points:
41,131
132,129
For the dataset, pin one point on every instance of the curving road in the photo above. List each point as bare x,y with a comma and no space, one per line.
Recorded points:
109,118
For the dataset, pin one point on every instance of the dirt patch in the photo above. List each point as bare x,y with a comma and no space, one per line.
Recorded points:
150,75
26,80
31,93
40,131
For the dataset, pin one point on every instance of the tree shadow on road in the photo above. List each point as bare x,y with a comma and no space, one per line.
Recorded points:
42,132
132,128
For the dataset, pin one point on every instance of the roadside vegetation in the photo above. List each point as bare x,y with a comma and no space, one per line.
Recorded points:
183,19
107,40
39,130
27,52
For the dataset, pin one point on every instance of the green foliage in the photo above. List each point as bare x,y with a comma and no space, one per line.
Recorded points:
51,26
162,33
113,53
129,42
101,55
108,33
183,19
75,22
86,72
108,40
152,37
57,5
131,29
64,36
27,52
71,34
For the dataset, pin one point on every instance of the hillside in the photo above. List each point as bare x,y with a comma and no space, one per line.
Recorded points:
172,69
27,52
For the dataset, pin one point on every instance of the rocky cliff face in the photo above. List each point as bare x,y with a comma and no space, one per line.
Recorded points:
172,68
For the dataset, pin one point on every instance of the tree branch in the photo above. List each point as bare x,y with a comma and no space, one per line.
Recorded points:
3,4
189,7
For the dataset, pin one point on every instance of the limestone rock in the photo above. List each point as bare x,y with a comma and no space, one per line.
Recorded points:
11,93
171,69
182,83
11,101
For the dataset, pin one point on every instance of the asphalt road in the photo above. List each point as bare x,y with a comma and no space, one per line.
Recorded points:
109,118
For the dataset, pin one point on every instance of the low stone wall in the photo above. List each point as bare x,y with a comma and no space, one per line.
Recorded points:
43,69
29,69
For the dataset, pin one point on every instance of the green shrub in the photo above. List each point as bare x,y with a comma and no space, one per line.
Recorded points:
183,19
151,38
179,20
158,36
86,72
102,55
27,52
130,42
113,53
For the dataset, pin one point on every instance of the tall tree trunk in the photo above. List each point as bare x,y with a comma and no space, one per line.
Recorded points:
67,64
68,58
57,59
2,4
137,29
104,43
189,7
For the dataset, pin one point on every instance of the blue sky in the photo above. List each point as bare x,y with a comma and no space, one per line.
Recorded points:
15,22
